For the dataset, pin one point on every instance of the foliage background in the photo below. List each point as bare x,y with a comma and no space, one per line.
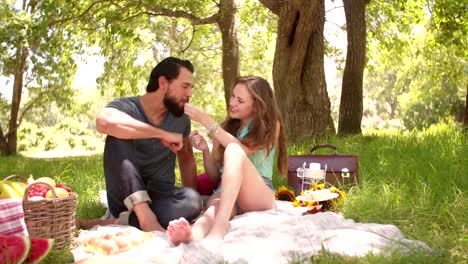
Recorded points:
416,73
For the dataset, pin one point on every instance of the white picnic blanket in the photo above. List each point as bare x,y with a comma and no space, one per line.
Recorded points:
280,235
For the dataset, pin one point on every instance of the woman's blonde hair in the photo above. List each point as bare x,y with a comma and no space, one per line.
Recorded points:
263,128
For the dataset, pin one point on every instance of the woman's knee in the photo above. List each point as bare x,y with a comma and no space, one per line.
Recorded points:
233,150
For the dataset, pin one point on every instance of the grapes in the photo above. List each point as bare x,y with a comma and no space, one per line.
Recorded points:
38,190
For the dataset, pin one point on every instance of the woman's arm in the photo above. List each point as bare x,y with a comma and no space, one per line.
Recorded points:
218,133
209,163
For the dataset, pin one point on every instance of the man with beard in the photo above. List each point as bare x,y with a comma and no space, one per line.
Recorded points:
144,136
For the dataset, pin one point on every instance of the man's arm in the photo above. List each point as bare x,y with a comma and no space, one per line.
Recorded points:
116,123
111,121
187,165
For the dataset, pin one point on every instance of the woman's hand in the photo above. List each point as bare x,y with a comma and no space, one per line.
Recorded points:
196,114
198,141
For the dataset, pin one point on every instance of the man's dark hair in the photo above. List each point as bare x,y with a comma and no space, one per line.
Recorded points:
169,68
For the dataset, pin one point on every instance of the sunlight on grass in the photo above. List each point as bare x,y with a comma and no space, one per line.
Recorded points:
414,180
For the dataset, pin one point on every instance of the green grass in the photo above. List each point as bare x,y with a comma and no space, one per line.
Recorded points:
416,181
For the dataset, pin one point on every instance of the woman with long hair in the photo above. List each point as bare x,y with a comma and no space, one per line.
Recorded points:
244,148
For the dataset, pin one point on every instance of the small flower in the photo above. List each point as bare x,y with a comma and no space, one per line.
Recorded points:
319,186
284,194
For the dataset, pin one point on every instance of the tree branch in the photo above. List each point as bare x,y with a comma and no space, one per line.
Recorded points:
429,7
273,5
342,27
28,107
331,9
161,11
54,22
191,39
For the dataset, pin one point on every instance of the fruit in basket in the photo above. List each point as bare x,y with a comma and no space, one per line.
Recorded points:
30,179
18,186
14,249
60,192
6,191
36,198
61,185
47,180
38,190
40,247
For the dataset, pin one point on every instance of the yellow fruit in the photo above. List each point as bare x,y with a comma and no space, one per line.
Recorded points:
60,192
18,186
30,179
47,180
6,191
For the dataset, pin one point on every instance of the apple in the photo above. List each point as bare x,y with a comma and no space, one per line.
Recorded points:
60,192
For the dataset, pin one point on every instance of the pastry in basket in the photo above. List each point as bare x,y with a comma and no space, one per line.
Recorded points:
115,243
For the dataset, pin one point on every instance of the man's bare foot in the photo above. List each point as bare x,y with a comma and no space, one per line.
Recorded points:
179,231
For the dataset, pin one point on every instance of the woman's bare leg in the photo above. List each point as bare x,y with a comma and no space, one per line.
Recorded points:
240,182
179,230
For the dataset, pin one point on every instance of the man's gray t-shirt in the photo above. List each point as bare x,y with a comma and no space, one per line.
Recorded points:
155,162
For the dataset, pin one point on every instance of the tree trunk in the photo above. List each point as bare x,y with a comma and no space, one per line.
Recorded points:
465,120
298,69
351,94
228,24
3,143
226,19
11,136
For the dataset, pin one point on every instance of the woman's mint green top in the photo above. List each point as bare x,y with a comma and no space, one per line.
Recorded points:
260,160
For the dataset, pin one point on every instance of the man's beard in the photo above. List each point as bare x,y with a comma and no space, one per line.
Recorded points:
172,106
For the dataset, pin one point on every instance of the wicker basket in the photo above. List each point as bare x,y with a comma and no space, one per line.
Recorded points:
52,218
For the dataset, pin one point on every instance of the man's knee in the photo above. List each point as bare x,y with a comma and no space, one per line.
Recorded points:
192,202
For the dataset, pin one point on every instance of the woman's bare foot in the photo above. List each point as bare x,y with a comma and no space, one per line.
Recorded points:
179,231
212,244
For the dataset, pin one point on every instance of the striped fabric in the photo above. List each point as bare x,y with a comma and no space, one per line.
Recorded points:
12,217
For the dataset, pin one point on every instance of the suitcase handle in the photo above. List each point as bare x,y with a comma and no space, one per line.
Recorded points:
320,146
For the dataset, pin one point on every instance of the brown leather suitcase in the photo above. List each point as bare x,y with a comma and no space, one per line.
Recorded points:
336,164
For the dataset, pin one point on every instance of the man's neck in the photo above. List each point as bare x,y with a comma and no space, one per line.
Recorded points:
153,106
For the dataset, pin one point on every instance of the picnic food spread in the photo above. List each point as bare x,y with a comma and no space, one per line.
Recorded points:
45,190
110,244
12,189
38,208
15,189
19,249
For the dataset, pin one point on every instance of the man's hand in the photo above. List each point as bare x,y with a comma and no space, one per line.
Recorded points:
173,141
146,218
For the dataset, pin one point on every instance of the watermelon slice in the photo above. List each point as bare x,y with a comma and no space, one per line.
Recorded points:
13,249
40,247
